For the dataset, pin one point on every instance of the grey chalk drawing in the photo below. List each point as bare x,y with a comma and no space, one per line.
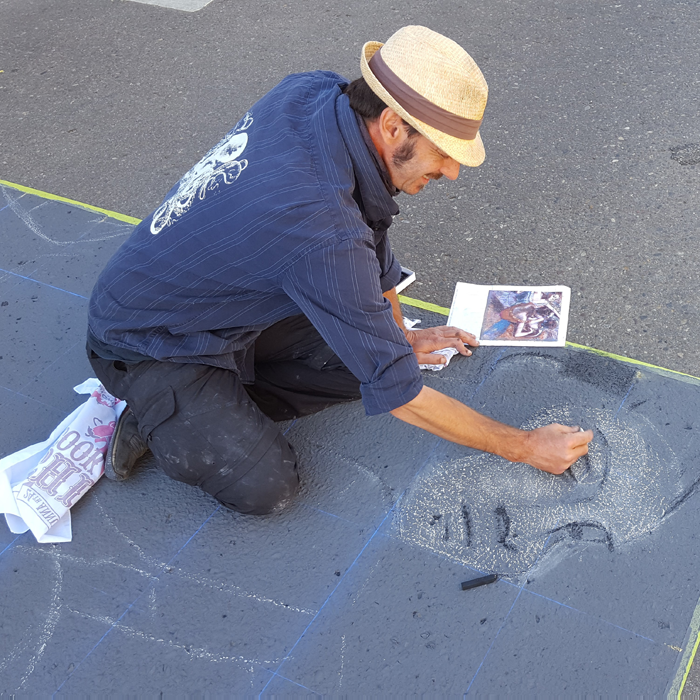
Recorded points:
508,518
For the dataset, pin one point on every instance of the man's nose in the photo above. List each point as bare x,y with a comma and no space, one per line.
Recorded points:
450,169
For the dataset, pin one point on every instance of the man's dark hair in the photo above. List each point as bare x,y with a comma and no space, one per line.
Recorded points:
367,104
363,100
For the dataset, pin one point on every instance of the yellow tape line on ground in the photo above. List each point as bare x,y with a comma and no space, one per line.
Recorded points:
403,299
688,665
686,661
630,360
57,198
424,305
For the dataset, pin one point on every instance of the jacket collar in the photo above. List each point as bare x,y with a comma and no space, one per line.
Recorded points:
371,175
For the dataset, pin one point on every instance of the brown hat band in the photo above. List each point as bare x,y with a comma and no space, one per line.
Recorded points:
420,107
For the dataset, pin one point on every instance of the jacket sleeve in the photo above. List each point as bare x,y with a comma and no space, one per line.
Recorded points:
339,289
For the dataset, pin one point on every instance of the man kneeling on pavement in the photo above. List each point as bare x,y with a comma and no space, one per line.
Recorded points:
263,288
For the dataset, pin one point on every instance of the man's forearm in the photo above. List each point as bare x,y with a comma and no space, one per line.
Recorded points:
552,448
450,419
393,297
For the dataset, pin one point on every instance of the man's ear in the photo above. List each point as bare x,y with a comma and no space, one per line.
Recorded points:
391,127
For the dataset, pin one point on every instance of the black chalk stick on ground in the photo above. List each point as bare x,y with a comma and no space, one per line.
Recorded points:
481,581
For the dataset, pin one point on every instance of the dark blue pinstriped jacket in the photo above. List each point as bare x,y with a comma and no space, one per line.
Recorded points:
287,214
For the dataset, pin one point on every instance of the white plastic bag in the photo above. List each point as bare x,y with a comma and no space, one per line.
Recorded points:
40,484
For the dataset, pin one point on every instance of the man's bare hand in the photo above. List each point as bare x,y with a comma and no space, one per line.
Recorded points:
425,341
554,448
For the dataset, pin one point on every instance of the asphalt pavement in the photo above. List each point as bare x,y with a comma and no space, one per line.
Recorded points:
164,592
110,102
592,136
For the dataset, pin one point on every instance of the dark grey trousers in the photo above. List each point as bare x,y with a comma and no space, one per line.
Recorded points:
205,428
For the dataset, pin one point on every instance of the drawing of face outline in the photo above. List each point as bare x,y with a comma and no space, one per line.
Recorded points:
505,518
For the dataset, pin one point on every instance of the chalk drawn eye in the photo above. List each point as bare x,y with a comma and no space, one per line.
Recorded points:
505,532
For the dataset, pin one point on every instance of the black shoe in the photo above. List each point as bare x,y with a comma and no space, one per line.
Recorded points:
125,448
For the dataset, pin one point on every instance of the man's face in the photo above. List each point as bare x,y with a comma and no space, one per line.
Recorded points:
415,161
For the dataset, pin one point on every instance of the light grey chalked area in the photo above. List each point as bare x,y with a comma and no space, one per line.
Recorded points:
355,588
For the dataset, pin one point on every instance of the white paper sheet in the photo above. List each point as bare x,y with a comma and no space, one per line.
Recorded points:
512,315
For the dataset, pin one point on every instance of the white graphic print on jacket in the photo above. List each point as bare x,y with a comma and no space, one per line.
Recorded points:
219,166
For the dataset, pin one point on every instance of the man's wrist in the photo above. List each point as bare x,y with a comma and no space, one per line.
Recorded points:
517,448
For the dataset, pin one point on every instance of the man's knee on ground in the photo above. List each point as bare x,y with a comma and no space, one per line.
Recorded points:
269,486
262,499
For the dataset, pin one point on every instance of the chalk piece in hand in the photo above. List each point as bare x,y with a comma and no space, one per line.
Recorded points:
481,581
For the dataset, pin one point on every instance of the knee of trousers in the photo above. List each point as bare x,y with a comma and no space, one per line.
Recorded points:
268,486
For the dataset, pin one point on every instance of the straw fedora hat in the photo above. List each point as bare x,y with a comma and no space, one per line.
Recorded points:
434,85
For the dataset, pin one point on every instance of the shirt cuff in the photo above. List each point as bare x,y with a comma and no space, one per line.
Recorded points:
399,384
391,277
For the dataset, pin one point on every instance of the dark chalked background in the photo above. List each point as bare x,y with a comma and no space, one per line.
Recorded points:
592,137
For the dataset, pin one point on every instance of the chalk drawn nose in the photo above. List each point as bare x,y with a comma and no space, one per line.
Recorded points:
593,468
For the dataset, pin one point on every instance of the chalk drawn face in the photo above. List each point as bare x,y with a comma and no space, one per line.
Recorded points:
506,518
218,167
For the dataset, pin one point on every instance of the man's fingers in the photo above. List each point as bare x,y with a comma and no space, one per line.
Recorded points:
428,358
423,345
582,437
579,445
579,451
585,435
567,428
469,339
458,345
557,447
453,332
466,338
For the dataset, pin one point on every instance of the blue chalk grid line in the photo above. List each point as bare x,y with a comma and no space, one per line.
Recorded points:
505,619
45,284
379,527
9,546
342,578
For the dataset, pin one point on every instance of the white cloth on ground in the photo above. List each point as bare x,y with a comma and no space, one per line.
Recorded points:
40,484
